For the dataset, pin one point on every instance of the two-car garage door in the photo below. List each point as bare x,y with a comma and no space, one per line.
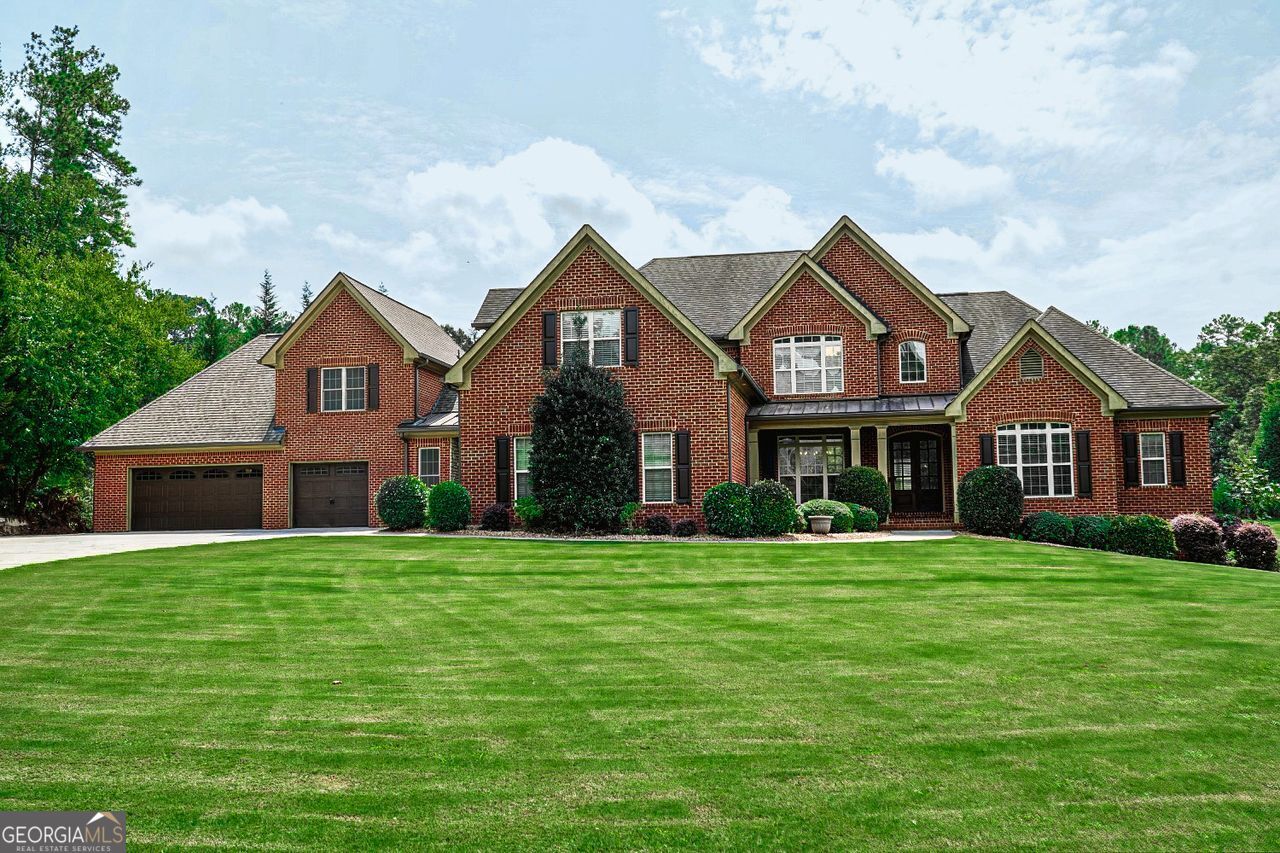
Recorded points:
220,497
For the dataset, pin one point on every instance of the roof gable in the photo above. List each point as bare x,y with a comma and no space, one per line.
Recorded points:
801,266
715,291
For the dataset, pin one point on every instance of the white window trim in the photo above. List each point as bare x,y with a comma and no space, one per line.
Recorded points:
790,343
591,335
823,442
1143,459
516,470
342,372
1048,431
924,363
670,469
439,473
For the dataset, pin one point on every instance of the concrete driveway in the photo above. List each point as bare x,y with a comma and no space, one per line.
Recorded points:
21,550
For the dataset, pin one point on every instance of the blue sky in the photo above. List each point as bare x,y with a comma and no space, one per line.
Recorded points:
1120,160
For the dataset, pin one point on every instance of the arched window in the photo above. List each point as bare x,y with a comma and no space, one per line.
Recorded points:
1040,454
911,361
1031,365
808,364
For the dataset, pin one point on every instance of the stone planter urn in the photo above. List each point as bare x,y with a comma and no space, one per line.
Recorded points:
820,523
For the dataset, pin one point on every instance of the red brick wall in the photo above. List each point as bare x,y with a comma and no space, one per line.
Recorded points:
908,317
807,308
1168,501
674,387
429,385
445,445
738,428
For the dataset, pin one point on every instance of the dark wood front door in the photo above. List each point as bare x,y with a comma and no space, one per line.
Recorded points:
916,468
331,494
221,497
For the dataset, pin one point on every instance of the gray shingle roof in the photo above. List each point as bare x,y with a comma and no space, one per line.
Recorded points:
994,317
495,302
422,332
716,291
443,414
232,401
918,404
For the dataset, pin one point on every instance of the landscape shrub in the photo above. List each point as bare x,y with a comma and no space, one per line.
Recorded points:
628,514
449,507
57,510
1052,527
727,508
658,525
1141,536
1246,490
841,516
685,528
1090,531
990,501
1255,546
529,511
863,486
1229,524
495,517
402,502
773,508
865,519
1199,539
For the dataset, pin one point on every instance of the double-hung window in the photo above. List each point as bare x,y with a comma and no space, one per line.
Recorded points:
1151,450
1040,454
520,465
808,465
596,335
911,362
656,448
342,388
808,364
429,465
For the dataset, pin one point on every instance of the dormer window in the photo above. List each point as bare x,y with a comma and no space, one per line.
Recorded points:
343,389
1031,365
911,362
808,364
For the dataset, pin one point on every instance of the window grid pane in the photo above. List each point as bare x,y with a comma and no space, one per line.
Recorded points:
657,454
520,464
911,361
808,465
808,364
595,335
1040,454
429,465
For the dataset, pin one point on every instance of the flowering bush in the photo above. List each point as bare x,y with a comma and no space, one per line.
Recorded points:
1199,539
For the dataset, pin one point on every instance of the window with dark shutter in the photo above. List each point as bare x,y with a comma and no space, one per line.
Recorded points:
1177,460
683,469
549,339
631,336
986,449
1129,445
371,387
1084,465
502,469
313,389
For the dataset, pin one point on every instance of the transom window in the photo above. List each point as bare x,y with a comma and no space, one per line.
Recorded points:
911,366
215,474
520,463
429,465
658,454
1031,365
343,388
808,465
596,335
808,364
1040,454
1151,450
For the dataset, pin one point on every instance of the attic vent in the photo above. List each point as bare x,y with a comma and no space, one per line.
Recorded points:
1031,365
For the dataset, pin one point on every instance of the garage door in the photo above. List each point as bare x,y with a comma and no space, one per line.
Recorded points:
213,498
331,494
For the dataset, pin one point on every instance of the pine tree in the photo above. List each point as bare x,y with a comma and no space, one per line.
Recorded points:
306,295
267,316
210,339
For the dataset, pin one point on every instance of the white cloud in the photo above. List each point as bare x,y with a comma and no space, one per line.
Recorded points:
169,233
1048,75
939,180
1014,239
1264,93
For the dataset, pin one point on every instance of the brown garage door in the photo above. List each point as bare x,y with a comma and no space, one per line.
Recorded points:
225,497
331,494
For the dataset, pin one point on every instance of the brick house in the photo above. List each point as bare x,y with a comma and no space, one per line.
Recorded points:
786,365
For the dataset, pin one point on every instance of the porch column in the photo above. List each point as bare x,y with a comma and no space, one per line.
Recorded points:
855,447
955,476
882,451
753,456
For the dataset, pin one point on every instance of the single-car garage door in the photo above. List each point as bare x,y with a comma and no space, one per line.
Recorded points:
220,497
331,494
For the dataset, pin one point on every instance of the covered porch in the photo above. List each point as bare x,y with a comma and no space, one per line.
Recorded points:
805,445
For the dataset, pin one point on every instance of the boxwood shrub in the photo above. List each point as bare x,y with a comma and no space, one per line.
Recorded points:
865,519
863,486
841,517
449,507
1141,536
1052,527
773,508
1090,531
529,511
685,528
495,517
990,501
1255,546
658,525
727,508
402,502
1199,539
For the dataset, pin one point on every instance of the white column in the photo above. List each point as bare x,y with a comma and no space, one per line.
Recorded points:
955,477
855,447
882,450
753,456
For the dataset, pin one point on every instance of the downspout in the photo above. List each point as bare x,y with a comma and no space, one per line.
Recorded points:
728,422
880,366
405,439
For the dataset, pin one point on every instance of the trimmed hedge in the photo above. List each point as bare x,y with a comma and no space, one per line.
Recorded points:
1199,539
1255,546
841,516
863,486
865,519
1090,531
658,525
449,507
990,501
727,508
773,508
1052,527
1141,536
495,517
685,528
402,502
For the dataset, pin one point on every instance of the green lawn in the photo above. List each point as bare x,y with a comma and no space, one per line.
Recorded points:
505,693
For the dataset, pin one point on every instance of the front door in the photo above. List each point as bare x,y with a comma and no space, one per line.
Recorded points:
916,484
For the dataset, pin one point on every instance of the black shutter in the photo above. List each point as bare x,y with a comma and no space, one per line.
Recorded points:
987,449
1177,460
371,386
631,336
1084,465
549,338
1129,442
683,490
502,469
313,383
767,443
